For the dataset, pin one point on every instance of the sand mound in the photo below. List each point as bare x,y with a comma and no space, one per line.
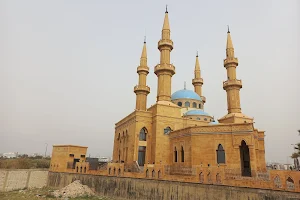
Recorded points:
75,189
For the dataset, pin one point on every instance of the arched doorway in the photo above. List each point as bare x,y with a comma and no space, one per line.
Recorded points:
142,149
245,159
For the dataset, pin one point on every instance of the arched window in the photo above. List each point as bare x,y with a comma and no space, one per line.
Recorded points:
290,184
220,154
194,105
200,106
114,171
205,119
119,172
147,173
218,178
201,177
119,136
277,182
143,134
167,130
77,169
80,169
84,171
198,118
158,174
182,154
175,155
179,103
109,170
153,174
187,104
209,177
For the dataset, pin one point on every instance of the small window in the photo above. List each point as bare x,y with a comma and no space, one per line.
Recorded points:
198,118
167,130
179,103
175,155
187,104
182,154
205,119
200,106
71,155
194,105
82,156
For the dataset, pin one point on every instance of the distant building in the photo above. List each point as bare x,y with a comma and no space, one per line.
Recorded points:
10,155
104,159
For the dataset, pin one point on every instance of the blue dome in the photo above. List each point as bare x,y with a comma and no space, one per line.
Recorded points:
185,94
196,112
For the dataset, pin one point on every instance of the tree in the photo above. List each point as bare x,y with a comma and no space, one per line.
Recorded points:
297,147
295,156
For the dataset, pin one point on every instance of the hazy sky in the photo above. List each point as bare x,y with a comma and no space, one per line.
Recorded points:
68,68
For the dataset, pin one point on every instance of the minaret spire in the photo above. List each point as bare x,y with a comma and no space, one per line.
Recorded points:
198,81
164,70
232,85
142,90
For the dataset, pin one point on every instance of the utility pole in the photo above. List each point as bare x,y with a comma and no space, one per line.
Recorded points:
46,149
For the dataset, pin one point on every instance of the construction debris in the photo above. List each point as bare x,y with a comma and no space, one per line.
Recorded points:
75,189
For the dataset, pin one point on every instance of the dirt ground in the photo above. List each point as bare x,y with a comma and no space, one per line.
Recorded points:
45,193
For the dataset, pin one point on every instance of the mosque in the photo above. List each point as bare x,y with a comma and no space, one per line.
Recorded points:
176,130
176,140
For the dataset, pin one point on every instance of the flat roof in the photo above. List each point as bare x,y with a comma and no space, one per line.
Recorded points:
68,145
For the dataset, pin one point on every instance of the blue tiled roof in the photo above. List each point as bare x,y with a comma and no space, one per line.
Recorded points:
196,112
185,94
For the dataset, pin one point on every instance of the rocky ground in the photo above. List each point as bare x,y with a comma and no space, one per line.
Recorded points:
74,191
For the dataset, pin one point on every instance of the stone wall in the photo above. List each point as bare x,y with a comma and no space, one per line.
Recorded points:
22,178
135,188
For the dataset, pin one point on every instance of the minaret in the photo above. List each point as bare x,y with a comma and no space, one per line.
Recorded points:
232,85
165,70
142,90
198,81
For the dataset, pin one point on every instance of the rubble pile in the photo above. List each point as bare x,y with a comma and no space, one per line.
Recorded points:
75,189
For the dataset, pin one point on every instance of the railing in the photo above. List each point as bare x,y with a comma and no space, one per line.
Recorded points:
180,170
232,82
165,66
141,87
165,42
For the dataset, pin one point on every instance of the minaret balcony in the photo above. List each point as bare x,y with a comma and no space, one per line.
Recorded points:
232,83
141,88
196,81
230,61
203,98
165,42
143,69
164,67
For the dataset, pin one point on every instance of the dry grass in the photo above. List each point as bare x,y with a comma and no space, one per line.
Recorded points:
38,194
24,163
